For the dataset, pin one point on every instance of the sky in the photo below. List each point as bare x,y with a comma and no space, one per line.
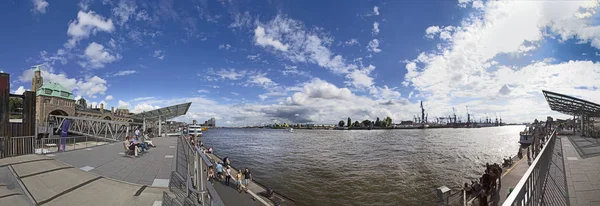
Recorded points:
261,62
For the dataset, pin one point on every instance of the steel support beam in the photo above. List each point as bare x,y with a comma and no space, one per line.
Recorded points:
105,129
159,127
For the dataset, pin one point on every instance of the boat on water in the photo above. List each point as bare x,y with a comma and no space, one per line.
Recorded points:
291,129
526,136
195,130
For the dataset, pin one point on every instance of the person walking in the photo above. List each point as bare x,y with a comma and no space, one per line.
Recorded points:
227,175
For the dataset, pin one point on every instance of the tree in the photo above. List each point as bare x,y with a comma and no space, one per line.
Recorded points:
341,124
356,124
388,121
366,122
377,122
349,122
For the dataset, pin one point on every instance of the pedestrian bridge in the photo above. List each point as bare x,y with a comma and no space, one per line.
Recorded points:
116,130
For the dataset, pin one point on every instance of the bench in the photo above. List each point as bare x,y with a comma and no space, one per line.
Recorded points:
128,151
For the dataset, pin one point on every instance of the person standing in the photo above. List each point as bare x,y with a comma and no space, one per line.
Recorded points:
227,175
247,177
211,173
239,181
137,132
219,171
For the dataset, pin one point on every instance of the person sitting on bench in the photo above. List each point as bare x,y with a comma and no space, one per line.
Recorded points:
131,146
134,141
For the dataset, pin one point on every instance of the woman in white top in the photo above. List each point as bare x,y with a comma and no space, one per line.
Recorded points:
227,175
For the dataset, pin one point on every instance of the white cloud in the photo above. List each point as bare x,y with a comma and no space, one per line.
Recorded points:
263,39
203,91
123,104
374,46
40,6
97,56
235,93
159,54
463,67
351,42
108,97
431,31
124,10
124,73
231,74
376,10
20,90
87,23
143,107
375,28
292,41
142,16
88,86
225,46
260,79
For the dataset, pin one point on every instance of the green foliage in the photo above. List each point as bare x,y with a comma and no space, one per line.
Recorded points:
388,121
356,124
341,123
349,122
377,122
15,105
366,123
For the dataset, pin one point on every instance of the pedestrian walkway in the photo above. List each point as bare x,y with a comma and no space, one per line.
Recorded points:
50,182
152,168
255,189
582,164
511,177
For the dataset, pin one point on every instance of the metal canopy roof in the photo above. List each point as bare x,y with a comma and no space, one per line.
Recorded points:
571,105
164,113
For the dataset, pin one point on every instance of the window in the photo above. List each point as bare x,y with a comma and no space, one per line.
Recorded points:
48,91
64,94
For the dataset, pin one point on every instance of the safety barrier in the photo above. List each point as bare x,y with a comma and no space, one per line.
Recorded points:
530,189
17,146
189,180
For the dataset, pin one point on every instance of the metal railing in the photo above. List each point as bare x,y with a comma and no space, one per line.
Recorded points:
189,180
52,145
530,189
17,146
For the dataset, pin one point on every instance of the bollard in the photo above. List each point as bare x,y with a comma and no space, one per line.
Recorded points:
443,195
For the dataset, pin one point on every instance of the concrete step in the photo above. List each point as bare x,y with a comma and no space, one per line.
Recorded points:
5,191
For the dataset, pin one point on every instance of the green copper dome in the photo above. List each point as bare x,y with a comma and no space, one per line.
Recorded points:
53,89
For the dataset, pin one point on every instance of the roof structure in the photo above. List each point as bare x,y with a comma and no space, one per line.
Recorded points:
164,113
571,105
53,89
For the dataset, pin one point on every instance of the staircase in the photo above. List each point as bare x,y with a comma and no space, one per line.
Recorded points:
10,190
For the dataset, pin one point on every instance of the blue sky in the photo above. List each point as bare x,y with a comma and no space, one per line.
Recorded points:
257,62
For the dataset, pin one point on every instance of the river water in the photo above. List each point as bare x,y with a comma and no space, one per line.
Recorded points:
364,167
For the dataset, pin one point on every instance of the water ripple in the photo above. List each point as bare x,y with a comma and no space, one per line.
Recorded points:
376,167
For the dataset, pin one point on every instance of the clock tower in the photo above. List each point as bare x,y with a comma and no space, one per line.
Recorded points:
37,81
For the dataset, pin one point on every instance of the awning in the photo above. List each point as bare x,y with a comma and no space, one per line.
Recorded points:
164,113
571,105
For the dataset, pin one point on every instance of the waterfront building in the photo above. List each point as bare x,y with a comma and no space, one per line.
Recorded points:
52,98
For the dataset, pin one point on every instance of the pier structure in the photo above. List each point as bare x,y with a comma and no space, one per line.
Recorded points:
564,167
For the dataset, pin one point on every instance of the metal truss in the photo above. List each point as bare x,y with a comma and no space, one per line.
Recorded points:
571,105
98,128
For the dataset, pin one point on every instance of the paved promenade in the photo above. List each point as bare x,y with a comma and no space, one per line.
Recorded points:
152,169
50,182
582,164
512,176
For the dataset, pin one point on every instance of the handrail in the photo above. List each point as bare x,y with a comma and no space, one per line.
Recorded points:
195,168
528,190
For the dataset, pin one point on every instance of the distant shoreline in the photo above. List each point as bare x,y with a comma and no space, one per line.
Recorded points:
358,128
